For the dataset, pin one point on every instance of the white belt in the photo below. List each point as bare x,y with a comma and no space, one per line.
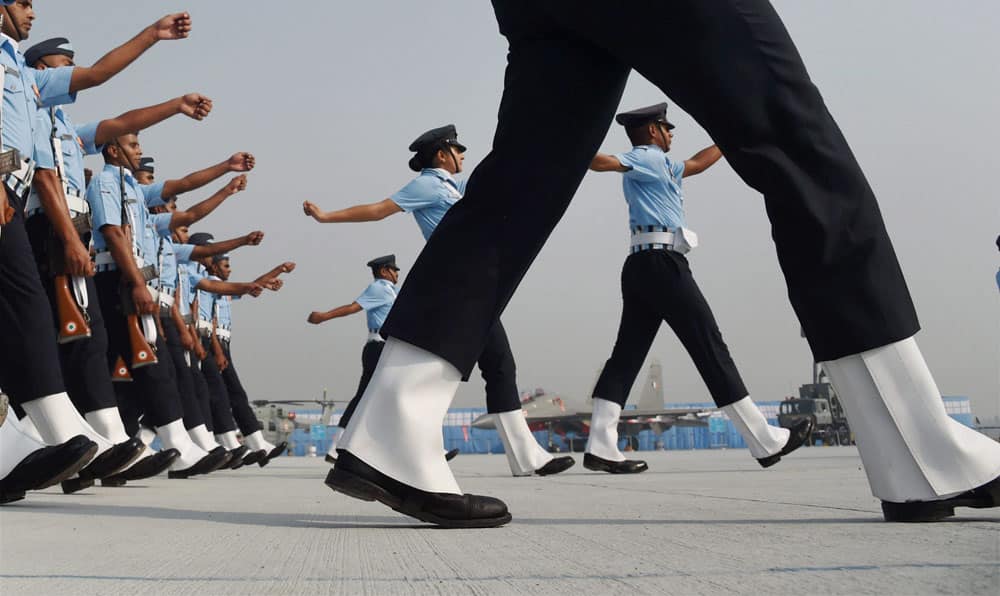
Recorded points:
204,327
19,180
104,257
161,296
680,240
74,201
374,336
166,299
225,334
653,238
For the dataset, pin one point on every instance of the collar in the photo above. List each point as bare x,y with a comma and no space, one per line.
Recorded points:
650,147
114,170
4,38
441,173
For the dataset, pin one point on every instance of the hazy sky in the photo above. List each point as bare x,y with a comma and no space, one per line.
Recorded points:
328,95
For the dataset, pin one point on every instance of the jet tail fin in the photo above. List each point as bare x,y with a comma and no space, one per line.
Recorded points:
652,397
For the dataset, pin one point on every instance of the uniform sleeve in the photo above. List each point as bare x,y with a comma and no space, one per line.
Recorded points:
637,162
416,195
676,169
42,141
161,223
88,137
105,204
153,193
194,276
374,296
53,86
183,252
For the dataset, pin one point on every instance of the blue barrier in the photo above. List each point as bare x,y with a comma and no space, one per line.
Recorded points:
457,433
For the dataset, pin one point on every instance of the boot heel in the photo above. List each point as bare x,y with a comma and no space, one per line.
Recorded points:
352,486
922,511
767,462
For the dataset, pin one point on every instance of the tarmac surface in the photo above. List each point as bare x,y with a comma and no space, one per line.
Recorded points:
698,522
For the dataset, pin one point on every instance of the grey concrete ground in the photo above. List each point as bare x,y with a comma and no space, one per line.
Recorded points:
698,522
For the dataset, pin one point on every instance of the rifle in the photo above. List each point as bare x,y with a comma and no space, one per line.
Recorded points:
217,352
74,322
199,350
120,374
143,354
73,319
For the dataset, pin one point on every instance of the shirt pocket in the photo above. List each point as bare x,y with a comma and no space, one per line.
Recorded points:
12,81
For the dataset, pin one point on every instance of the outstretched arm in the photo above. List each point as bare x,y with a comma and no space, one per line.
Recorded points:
286,267
218,248
316,317
200,210
701,161
192,105
238,162
607,163
358,213
230,288
172,26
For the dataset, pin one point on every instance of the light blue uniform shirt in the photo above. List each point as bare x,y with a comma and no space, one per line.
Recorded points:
377,300
104,197
428,197
76,142
21,104
182,252
167,261
652,187
206,300
225,311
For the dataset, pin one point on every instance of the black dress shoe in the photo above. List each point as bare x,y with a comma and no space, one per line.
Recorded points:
113,460
254,457
147,467
330,459
451,454
278,450
556,465
48,466
799,433
211,462
357,479
984,497
10,497
599,464
77,484
236,457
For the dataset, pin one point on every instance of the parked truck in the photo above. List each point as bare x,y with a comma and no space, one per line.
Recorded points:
817,400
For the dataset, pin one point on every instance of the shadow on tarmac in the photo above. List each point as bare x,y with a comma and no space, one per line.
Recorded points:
300,520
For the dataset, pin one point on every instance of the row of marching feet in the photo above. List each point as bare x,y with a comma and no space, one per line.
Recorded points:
53,444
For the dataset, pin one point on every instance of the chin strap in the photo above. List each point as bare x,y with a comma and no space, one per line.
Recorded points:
13,23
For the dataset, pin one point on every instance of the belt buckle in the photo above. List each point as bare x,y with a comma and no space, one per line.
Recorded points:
148,272
10,161
82,223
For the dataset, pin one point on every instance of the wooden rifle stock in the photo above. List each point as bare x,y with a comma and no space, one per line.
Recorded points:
142,352
72,319
120,374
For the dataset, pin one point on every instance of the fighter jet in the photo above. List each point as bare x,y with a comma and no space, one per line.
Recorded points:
550,412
